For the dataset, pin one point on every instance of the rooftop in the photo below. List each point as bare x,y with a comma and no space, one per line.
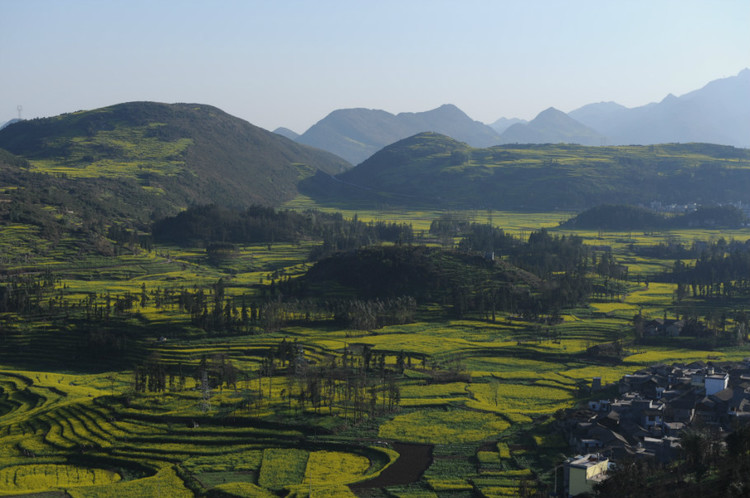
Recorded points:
585,461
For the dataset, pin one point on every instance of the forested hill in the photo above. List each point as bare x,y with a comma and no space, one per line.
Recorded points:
178,154
619,217
430,169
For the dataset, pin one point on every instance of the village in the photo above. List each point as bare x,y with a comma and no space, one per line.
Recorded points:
653,408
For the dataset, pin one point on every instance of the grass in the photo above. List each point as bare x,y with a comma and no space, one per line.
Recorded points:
444,426
39,477
334,468
282,467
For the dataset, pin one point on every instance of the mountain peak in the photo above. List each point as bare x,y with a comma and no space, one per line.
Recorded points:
551,126
550,112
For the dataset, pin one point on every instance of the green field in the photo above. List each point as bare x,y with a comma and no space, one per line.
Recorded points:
480,392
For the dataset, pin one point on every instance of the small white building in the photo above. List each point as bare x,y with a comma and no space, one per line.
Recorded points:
583,472
715,383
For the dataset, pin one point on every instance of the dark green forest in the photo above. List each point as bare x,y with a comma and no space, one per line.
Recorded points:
622,217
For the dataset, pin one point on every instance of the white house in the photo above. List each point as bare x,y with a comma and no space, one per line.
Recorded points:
715,383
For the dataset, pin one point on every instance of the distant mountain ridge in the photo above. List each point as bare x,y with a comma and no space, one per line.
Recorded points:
503,124
356,134
717,113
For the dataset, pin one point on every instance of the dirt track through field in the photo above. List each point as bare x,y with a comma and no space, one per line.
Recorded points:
414,459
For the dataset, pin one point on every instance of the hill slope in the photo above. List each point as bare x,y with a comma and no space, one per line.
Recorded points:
175,154
356,134
434,170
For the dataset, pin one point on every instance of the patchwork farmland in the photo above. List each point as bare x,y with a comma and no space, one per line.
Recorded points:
146,401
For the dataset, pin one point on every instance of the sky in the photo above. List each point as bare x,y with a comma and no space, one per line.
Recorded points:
291,62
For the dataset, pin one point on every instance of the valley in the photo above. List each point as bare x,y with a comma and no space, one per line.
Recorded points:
193,306
134,397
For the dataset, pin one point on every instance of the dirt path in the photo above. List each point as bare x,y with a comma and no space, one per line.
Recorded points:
414,459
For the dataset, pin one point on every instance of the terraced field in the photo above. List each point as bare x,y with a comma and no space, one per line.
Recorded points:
466,402
66,438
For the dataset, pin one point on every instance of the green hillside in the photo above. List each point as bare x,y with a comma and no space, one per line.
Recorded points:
434,170
157,158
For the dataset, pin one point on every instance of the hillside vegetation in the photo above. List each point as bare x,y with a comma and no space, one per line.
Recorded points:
158,158
434,170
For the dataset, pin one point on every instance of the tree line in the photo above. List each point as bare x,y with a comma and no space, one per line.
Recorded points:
211,224
721,271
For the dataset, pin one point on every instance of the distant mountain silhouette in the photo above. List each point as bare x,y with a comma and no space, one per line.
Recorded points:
549,127
717,113
8,123
503,124
356,134
286,132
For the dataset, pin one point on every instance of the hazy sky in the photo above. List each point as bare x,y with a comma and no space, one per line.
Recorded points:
289,63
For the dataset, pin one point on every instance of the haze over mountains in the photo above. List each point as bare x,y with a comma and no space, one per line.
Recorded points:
551,126
356,134
717,113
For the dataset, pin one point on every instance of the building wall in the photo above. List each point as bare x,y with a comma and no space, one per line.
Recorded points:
714,385
579,480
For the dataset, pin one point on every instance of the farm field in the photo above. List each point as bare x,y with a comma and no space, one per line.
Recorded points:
148,403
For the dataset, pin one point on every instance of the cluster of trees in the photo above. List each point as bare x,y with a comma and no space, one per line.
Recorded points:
484,238
209,308
624,217
541,254
344,235
722,270
358,384
155,376
463,282
130,239
214,227
373,314
24,293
